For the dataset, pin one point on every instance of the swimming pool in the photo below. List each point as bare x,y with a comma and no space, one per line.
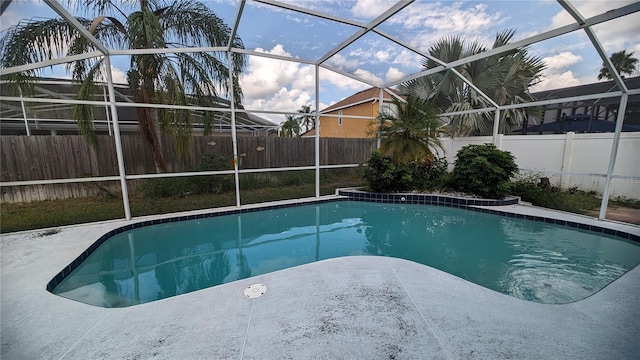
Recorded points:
530,260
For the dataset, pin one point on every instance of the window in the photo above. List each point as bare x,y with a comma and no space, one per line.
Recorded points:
339,117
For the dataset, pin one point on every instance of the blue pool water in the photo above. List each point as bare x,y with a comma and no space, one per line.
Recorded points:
526,259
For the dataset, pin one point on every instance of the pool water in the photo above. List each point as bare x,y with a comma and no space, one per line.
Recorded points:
529,260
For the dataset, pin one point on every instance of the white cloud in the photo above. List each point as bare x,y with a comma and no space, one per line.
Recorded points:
118,76
340,81
394,74
615,35
556,81
556,75
432,21
277,85
409,59
562,60
368,76
266,76
587,8
288,100
341,62
383,56
24,10
369,8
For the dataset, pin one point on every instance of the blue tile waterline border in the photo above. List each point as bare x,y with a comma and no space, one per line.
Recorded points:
354,195
471,203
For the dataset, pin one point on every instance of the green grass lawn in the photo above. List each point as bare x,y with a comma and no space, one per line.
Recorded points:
52,213
46,214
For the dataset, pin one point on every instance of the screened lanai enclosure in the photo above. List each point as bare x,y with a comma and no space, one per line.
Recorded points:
109,92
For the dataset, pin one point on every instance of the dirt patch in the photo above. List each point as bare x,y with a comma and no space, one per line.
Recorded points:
622,214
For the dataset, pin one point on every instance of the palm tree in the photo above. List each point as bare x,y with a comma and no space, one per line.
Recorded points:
171,78
622,62
307,118
505,78
290,128
410,131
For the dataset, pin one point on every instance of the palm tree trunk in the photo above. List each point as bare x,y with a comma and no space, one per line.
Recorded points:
148,122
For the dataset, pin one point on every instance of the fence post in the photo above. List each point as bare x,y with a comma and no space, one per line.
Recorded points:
498,141
567,157
496,125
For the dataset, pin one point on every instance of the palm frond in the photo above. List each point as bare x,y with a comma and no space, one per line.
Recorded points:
504,78
410,131
191,22
83,113
35,41
162,78
176,122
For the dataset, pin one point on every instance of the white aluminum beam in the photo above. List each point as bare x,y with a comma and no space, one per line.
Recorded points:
47,63
171,50
595,42
311,12
118,141
234,135
609,15
349,75
407,46
236,23
613,155
463,112
567,99
375,22
317,133
76,24
274,56
24,115
59,181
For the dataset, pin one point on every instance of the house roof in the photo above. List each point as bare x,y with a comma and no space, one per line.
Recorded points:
362,96
578,123
59,115
587,89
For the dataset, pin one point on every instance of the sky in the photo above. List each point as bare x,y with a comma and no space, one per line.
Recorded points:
275,85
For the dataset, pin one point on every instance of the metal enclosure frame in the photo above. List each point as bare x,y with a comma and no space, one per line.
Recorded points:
581,23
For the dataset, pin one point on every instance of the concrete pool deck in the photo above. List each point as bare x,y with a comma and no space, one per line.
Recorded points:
346,308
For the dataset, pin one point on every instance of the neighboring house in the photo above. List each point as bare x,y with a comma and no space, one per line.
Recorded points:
585,116
52,118
353,117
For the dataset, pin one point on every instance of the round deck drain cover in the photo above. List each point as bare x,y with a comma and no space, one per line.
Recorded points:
255,290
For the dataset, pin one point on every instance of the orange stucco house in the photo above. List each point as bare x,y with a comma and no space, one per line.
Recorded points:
353,117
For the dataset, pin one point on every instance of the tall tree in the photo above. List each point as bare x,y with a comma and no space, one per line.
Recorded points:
161,78
410,131
624,64
307,118
290,127
505,78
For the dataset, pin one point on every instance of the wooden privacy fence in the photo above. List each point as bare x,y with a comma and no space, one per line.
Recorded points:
24,158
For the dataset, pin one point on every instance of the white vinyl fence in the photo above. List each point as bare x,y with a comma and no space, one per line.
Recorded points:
569,160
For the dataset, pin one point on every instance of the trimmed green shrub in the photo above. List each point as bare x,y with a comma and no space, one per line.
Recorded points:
484,170
432,176
383,175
